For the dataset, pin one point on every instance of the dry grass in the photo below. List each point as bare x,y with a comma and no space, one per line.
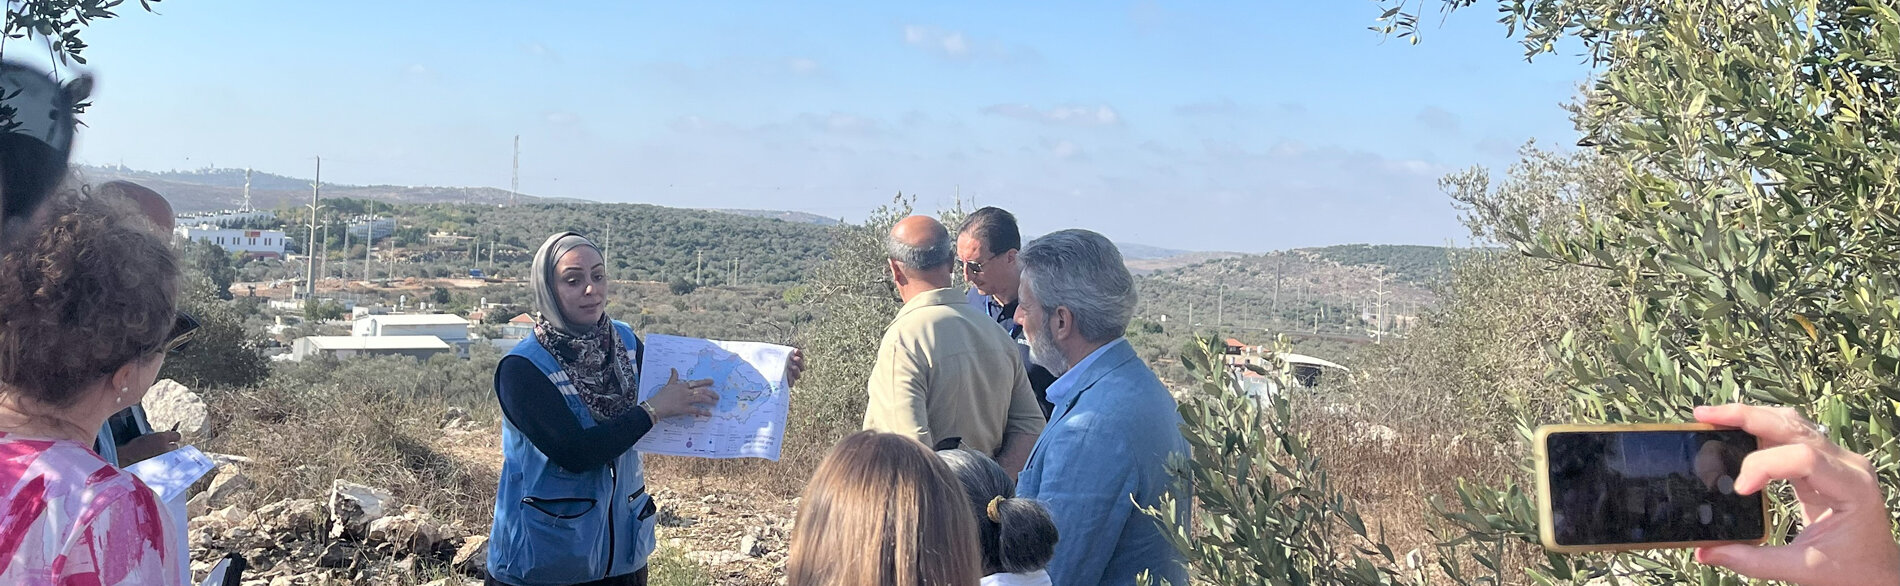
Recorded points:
1392,460
373,422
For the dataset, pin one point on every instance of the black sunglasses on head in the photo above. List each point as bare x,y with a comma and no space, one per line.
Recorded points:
183,328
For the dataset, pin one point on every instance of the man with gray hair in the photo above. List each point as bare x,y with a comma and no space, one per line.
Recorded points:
945,374
1106,449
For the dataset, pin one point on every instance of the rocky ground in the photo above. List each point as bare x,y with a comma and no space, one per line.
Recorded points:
735,533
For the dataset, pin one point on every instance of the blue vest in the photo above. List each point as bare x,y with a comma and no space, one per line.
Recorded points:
553,526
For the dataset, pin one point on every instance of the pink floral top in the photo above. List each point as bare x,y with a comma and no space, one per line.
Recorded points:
67,518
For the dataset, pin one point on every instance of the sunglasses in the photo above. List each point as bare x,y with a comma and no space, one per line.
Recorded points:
974,267
184,328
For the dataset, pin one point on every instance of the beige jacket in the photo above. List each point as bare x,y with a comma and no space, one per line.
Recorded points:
945,370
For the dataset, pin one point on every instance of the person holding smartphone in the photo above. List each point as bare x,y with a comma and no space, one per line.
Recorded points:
1847,531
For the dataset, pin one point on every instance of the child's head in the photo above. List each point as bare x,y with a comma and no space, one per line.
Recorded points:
882,510
1017,534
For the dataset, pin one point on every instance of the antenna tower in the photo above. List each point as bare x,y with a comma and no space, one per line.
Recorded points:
247,192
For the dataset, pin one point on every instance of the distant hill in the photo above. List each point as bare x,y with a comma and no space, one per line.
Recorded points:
793,217
1334,290
1420,265
1133,251
217,189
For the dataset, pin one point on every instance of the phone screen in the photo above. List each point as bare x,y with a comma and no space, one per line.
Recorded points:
1622,487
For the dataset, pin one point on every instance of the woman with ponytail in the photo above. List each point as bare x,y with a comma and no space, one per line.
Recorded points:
1017,535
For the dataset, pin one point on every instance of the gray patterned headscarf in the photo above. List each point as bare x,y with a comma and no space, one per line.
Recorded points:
593,356
546,302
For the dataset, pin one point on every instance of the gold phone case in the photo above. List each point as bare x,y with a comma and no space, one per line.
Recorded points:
1546,530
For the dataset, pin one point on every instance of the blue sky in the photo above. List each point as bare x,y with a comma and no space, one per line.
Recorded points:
1245,126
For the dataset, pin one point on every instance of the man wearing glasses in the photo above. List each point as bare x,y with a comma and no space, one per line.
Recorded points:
986,253
128,438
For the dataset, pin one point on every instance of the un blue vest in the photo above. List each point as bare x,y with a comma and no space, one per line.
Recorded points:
554,526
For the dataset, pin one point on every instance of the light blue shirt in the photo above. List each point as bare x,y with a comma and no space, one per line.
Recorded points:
1061,391
1099,457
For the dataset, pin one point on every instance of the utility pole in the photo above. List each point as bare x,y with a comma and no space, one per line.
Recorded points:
1378,318
247,192
310,247
345,272
1220,297
1279,269
369,243
514,181
699,265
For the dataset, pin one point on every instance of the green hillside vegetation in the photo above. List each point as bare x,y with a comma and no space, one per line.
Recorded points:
643,242
1419,265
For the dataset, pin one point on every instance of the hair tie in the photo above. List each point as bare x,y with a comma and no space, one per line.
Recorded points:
994,516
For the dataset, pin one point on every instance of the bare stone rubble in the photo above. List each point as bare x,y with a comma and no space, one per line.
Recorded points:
170,405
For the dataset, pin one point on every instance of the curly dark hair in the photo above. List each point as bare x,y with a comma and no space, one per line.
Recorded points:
92,288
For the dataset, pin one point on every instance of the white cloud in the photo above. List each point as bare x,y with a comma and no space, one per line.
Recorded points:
1063,149
1224,107
1439,120
803,66
837,123
538,49
957,46
1071,115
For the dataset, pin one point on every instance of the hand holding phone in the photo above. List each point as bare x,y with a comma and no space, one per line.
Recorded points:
1846,535
1645,486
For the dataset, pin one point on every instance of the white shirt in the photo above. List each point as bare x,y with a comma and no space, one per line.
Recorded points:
1036,578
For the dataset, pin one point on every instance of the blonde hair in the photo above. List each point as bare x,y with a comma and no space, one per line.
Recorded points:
883,509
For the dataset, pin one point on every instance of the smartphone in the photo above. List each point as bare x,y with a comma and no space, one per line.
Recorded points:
1644,486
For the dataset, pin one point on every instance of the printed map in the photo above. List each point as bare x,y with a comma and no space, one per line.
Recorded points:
749,419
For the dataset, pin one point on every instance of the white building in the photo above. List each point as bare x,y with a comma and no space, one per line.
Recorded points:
381,227
419,347
224,218
260,243
450,329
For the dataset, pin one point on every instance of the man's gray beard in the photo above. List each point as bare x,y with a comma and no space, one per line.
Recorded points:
1045,354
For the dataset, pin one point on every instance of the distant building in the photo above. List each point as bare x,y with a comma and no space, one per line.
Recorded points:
256,243
450,329
225,218
441,239
418,347
518,328
380,226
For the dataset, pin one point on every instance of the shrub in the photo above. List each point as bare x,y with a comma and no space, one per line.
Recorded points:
1266,510
1755,244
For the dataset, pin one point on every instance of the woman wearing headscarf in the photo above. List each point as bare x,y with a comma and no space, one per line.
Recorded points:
572,506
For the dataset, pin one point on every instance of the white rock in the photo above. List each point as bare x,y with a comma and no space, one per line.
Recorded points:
354,506
411,530
472,558
220,522
288,518
223,459
229,483
170,404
